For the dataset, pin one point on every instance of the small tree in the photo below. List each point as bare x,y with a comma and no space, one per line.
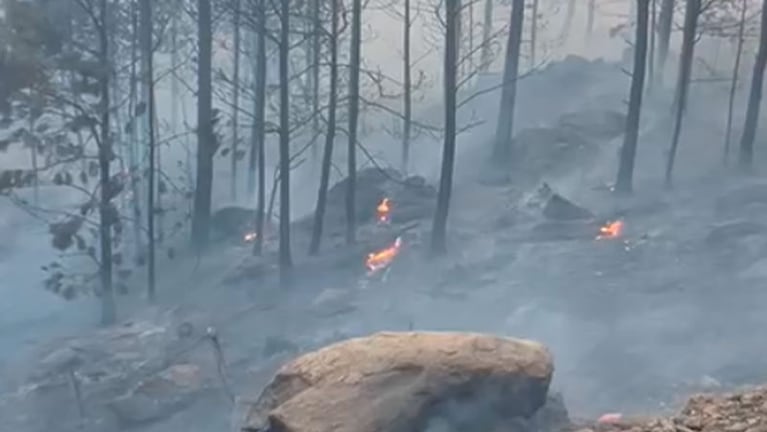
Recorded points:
746,154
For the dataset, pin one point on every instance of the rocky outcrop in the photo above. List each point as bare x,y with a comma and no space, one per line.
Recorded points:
405,382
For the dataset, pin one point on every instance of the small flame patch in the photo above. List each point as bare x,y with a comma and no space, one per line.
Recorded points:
611,230
250,237
383,211
382,259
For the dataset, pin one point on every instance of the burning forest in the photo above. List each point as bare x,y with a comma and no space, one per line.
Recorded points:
258,216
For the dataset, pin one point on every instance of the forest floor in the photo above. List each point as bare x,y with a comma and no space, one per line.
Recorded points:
673,306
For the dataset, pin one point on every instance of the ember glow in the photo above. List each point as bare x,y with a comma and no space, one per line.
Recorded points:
382,259
249,237
384,211
611,230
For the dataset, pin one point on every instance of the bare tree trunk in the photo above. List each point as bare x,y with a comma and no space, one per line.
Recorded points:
327,155
504,129
683,83
106,209
285,259
407,95
651,54
487,31
665,22
146,49
746,156
533,32
734,81
257,149
235,101
439,228
628,151
133,154
205,138
591,12
568,24
354,102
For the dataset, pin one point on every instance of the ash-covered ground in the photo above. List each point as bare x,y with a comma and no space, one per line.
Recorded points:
673,305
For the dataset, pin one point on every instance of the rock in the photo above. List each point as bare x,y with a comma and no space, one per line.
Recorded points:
560,208
158,397
401,381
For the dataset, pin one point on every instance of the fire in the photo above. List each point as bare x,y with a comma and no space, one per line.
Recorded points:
611,230
250,236
382,259
384,211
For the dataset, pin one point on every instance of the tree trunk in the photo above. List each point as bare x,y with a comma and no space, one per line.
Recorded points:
408,101
354,102
285,259
734,81
235,101
504,128
683,83
665,22
746,156
569,16
106,209
133,156
590,13
205,138
533,32
628,151
487,31
146,51
315,68
327,155
651,54
257,149
439,228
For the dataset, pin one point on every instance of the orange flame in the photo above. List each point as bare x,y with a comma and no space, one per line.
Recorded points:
610,230
249,237
384,211
382,259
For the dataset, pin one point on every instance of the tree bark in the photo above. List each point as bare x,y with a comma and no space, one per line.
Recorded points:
665,22
259,109
487,29
354,101
628,151
439,227
746,155
327,155
407,95
285,257
106,210
205,138
734,80
146,49
502,150
692,11
235,101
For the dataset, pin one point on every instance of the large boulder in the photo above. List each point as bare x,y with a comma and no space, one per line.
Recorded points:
408,381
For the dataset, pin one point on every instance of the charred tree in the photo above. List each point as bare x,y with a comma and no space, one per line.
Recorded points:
286,262
628,150
487,29
504,129
533,32
107,212
590,12
692,11
407,90
439,227
235,101
257,153
651,54
734,80
354,104
746,154
205,138
316,59
327,154
665,21
146,49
